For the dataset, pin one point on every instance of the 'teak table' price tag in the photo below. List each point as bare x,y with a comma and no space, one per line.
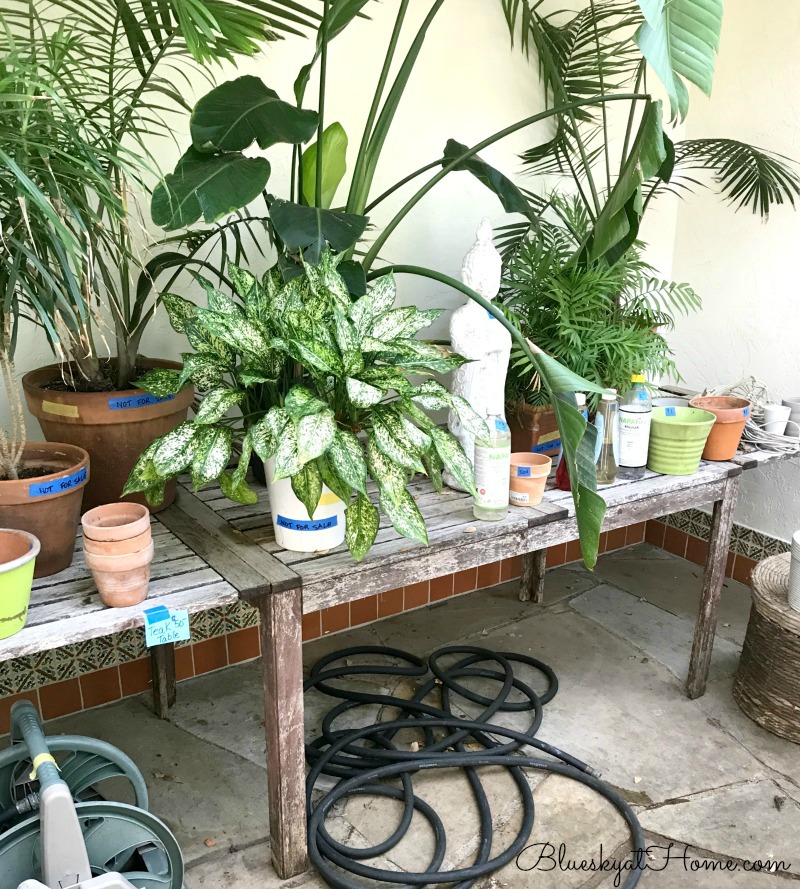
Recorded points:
162,626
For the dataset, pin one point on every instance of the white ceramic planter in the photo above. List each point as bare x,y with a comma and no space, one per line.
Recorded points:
293,528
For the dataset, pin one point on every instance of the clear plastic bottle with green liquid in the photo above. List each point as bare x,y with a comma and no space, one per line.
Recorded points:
492,468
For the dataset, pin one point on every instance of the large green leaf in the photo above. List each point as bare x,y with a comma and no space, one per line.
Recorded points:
301,402
362,523
315,433
512,199
308,229
160,381
245,110
404,514
390,477
216,404
390,436
242,334
331,478
307,487
203,369
334,165
178,310
346,457
207,185
681,40
452,454
173,451
434,397
211,452
287,462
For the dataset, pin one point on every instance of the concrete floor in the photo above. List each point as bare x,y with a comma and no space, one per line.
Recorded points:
699,772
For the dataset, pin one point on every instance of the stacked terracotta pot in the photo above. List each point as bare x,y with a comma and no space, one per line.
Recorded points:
118,548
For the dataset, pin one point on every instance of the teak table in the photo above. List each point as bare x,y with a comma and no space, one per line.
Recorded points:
211,551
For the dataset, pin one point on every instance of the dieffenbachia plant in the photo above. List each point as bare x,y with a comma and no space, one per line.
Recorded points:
322,385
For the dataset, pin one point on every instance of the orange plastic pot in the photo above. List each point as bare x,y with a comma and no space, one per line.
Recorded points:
528,478
731,416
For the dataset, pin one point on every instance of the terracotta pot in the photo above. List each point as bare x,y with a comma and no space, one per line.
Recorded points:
534,430
121,580
117,547
114,427
48,506
116,521
528,478
726,433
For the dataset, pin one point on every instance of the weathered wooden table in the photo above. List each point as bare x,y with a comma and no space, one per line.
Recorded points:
211,551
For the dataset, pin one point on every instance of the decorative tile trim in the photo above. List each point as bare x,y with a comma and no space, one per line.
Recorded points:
744,541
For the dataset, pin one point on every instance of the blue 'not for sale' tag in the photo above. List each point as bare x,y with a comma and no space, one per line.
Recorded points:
162,626
669,412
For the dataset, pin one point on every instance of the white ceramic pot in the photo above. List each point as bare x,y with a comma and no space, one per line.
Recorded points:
294,530
776,417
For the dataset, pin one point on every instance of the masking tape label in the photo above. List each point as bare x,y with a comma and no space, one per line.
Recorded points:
60,410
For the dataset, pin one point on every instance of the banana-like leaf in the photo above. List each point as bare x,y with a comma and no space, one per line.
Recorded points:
334,165
308,229
307,487
512,199
245,110
681,40
362,523
207,185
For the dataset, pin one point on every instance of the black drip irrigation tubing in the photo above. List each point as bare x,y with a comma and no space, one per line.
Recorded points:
368,762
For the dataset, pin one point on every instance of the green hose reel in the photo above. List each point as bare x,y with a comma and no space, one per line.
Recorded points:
59,830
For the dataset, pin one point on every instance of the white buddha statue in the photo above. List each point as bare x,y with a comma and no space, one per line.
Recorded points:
477,335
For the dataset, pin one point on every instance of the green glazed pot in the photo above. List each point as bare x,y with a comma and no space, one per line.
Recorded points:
18,551
677,438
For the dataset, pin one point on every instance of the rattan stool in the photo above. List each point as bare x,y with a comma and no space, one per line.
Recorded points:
767,683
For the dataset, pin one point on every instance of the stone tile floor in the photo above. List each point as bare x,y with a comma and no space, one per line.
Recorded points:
698,772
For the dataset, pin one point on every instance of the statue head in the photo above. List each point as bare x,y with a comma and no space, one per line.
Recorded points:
482,268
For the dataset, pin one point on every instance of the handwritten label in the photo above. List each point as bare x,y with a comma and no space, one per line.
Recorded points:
553,445
523,471
670,412
131,402
308,524
162,626
56,486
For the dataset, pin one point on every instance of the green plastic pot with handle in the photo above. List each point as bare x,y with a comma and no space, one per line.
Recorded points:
677,438
18,551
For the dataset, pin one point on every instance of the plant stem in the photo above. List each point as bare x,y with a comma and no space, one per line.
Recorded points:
415,199
601,80
323,69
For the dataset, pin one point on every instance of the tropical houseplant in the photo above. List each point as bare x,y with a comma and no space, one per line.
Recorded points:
117,69
245,111
322,385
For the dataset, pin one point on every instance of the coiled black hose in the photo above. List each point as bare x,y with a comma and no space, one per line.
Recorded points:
365,758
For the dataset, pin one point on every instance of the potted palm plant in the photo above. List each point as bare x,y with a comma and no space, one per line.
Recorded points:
323,391
113,68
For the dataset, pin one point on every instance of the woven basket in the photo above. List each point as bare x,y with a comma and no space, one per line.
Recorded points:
767,683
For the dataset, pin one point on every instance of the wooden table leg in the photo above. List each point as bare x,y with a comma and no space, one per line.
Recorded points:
162,661
713,578
531,585
282,664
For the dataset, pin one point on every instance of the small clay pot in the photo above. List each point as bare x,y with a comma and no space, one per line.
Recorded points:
121,580
726,433
115,522
117,547
528,478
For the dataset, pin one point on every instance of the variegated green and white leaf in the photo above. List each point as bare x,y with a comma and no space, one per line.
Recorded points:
216,404
287,463
383,294
348,340
392,323
237,489
390,477
420,440
362,523
391,437
211,453
449,449
217,300
161,382
203,341
301,402
434,396
237,331
434,466
253,373
204,369
420,320
173,451
404,514
244,283
331,477
362,314
266,433
315,434
386,378
307,487
370,344
346,457
144,474
363,394
154,494
315,355
178,310
244,460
